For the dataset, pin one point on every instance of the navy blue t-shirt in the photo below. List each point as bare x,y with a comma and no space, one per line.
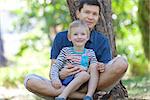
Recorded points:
98,42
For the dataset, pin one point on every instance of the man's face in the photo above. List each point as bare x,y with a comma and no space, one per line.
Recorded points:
90,14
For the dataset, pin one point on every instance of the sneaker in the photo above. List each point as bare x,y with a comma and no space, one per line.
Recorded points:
59,98
88,98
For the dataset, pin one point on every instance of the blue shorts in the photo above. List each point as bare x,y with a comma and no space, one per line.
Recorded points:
67,80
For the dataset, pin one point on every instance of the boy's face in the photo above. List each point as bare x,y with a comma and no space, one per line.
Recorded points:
78,36
90,14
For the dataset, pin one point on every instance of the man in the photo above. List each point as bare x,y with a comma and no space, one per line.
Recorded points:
110,72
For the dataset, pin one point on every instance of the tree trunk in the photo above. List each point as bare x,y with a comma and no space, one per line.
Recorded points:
104,25
144,25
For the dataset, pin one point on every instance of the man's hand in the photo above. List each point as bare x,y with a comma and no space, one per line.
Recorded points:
56,84
68,70
101,67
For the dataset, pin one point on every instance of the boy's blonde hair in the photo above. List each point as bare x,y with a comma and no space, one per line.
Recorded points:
79,23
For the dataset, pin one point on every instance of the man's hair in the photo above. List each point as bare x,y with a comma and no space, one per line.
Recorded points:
78,23
88,2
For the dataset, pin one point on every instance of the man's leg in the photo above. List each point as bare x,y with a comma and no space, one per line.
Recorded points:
40,86
113,73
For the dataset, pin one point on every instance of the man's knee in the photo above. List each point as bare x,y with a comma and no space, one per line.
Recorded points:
121,65
29,81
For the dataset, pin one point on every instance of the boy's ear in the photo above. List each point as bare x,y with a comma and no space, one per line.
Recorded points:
88,37
69,37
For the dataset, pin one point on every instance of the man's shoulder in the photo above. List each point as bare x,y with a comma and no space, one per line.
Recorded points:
100,35
61,36
62,33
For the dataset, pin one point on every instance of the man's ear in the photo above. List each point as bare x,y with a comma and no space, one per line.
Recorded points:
99,16
77,13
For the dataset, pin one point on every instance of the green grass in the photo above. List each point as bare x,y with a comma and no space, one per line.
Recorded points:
138,86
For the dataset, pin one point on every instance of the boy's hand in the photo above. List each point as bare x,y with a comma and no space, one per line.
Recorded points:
69,70
81,68
100,67
56,84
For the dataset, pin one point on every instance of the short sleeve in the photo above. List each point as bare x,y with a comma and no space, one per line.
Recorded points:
57,46
92,56
106,54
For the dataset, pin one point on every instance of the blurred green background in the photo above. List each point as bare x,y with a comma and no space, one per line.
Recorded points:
28,28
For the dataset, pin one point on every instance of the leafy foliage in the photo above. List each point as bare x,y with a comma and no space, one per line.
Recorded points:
43,11
128,35
138,65
48,15
125,19
138,86
34,40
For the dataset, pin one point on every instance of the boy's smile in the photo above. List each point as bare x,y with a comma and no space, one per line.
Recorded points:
79,37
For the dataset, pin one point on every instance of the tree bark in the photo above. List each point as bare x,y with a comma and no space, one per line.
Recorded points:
144,25
104,25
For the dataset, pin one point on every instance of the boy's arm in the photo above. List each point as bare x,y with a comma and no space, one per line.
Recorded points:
57,64
91,66
68,70
56,83
53,61
100,66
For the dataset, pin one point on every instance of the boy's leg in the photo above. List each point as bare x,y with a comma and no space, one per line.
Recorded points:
113,73
40,86
79,79
92,84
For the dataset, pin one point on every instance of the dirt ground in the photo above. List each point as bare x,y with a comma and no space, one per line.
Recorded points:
23,94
